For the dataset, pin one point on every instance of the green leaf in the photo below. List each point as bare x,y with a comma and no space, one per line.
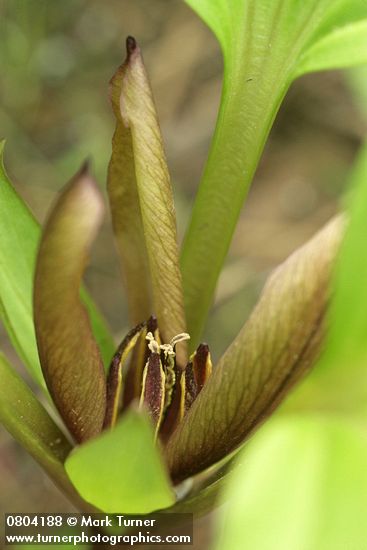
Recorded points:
301,484
274,349
122,471
29,423
263,41
19,237
69,355
343,47
139,128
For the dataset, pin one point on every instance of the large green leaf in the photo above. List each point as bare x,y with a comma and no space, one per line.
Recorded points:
266,44
70,358
277,345
19,237
122,471
343,47
139,129
300,485
29,423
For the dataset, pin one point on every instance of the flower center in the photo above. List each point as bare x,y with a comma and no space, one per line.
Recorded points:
146,369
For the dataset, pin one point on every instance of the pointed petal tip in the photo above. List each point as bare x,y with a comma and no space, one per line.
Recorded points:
152,324
84,176
85,167
84,184
202,352
203,348
131,45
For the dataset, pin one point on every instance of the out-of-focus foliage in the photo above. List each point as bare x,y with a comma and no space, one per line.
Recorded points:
39,56
322,458
300,484
357,80
346,342
339,383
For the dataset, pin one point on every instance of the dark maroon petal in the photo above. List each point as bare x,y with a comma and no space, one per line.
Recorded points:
115,375
189,389
134,377
153,389
202,365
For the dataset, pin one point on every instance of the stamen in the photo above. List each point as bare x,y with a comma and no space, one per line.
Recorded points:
167,350
153,344
179,338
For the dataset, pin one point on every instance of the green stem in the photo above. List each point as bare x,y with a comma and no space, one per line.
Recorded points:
229,172
261,44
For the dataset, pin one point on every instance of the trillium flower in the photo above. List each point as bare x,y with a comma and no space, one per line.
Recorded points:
156,395
157,376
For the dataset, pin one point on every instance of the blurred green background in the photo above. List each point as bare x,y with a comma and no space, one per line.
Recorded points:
56,60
